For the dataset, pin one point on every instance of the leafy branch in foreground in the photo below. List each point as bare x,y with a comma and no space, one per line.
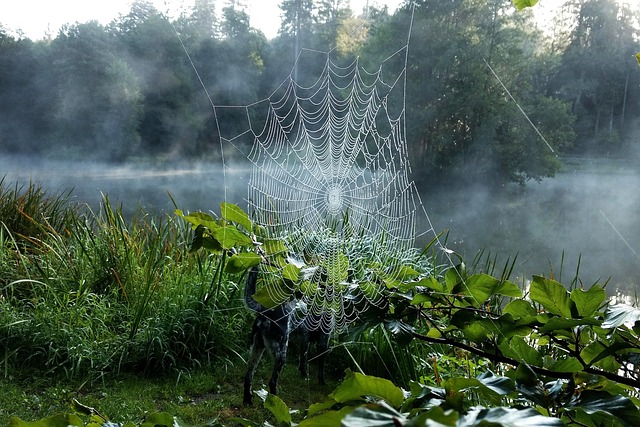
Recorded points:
567,354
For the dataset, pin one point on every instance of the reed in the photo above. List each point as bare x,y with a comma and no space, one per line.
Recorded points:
87,292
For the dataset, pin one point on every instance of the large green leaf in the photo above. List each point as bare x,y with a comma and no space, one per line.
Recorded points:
59,420
594,402
508,417
521,4
500,385
478,287
506,327
278,408
291,273
587,302
230,237
570,364
234,213
454,276
518,349
560,323
552,296
373,415
596,351
486,386
462,318
619,314
431,283
481,287
508,289
475,332
436,417
525,376
328,418
405,272
522,312
274,246
273,294
202,239
316,408
355,386
242,261
199,218
519,308
403,332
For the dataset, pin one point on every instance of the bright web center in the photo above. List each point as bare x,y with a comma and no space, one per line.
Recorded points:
334,200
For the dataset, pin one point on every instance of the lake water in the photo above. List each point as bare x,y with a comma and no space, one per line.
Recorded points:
591,211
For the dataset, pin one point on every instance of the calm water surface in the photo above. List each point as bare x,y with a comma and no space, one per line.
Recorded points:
585,216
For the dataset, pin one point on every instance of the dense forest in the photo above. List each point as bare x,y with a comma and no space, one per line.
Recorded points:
128,90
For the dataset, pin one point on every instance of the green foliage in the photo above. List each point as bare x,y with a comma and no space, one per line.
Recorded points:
127,90
602,41
87,292
521,4
559,351
473,349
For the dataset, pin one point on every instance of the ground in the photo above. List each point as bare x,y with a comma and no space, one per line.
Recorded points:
197,397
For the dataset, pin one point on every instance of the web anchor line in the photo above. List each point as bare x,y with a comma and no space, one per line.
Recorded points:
526,116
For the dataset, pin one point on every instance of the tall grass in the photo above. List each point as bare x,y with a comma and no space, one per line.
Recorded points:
92,292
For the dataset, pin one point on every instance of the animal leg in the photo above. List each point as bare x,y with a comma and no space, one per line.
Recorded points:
304,353
323,349
257,349
280,356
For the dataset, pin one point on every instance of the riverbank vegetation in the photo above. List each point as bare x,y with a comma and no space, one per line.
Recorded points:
90,302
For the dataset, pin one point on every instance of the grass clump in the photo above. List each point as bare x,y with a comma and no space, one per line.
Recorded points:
88,292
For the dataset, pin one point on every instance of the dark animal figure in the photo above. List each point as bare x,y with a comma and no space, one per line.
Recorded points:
271,331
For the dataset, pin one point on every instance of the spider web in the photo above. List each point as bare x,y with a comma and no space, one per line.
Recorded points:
331,177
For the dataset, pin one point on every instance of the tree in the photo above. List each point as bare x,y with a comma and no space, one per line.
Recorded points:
203,20
468,61
99,98
297,26
331,14
598,76
27,104
235,22
149,43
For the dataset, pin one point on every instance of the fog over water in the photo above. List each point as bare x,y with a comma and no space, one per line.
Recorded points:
588,216
589,210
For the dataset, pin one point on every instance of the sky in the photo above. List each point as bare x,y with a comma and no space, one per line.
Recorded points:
37,18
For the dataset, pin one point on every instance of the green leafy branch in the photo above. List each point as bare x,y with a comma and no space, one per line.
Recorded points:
230,236
562,351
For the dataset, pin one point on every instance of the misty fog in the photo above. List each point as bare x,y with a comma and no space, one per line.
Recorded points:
585,217
587,212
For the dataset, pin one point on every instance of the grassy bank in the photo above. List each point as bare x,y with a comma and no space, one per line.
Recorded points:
118,314
125,317
198,396
87,293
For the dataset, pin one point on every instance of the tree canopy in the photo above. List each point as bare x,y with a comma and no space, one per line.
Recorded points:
488,94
